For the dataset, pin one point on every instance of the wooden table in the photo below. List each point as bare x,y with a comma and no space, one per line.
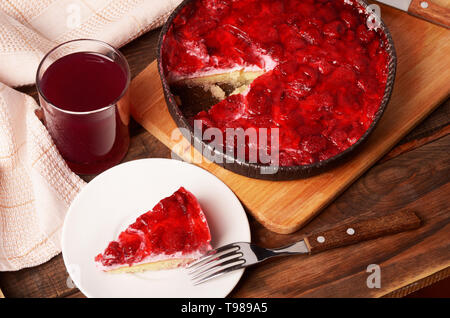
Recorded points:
414,175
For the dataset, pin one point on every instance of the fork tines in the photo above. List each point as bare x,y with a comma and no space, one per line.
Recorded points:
215,263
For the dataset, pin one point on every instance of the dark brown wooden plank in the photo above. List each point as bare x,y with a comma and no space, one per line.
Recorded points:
416,143
77,294
47,280
436,126
435,122
437,285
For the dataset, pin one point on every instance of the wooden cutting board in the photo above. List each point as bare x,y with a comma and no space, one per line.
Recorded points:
422,83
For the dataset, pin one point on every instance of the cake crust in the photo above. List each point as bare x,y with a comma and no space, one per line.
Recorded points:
152,266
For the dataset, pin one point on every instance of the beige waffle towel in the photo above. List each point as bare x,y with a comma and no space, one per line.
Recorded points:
30,28
36,186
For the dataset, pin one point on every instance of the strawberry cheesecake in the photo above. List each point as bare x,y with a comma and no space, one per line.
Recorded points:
172,234
314,69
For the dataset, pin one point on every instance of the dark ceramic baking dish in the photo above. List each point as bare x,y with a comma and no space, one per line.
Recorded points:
253,170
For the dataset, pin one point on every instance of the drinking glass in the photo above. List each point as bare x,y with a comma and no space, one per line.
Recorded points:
89,141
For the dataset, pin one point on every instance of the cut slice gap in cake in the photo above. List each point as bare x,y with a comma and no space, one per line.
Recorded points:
210,87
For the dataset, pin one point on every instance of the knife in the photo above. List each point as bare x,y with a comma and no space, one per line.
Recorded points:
238,255
428,10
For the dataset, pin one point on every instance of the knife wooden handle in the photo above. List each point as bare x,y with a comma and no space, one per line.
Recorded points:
430,11
361,231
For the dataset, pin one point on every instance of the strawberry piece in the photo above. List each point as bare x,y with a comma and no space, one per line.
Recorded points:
228,110
334,29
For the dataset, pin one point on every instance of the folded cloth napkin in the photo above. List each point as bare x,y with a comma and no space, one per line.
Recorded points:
29,29
36,185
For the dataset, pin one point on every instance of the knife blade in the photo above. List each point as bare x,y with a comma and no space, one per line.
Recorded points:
430,10
399,4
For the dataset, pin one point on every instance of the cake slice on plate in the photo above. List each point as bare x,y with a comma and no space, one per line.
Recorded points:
174,233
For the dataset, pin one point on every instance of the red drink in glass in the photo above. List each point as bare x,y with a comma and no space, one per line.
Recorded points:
83,90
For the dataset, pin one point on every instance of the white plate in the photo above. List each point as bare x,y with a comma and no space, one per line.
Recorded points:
115,198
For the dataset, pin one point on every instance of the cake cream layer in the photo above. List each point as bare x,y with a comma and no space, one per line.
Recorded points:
155,262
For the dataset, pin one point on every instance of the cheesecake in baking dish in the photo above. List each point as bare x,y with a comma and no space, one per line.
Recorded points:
314,69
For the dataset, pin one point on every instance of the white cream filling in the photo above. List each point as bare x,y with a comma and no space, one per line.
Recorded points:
154,258
269,64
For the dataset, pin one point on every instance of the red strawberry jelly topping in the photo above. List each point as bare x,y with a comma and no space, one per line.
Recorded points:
176,224
327,85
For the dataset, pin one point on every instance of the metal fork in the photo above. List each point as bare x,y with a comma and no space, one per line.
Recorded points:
234,256
230,257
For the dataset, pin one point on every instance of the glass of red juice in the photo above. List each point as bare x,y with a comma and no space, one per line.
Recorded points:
83,90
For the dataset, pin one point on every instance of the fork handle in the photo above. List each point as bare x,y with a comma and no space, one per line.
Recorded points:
361,231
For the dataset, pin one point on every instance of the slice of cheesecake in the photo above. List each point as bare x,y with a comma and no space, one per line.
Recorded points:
174,233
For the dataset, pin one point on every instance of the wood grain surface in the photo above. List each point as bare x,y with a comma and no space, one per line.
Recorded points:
286,206
403,258
413,176
432,11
